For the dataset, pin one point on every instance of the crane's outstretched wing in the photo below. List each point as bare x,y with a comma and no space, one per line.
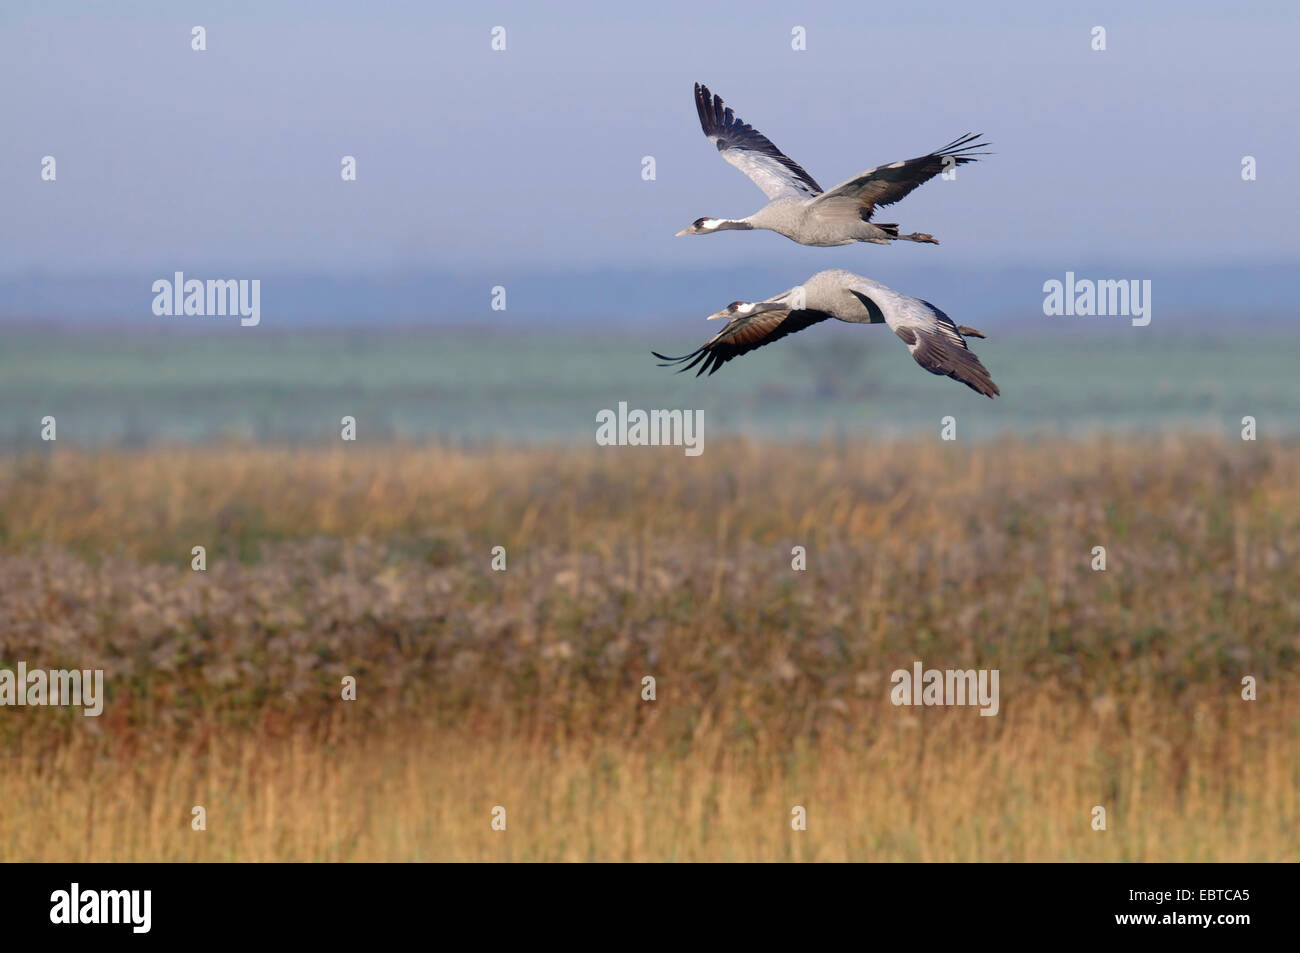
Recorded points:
886,184
934,341
744,333
751,152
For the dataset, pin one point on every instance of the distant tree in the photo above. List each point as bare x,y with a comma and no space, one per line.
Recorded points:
837,366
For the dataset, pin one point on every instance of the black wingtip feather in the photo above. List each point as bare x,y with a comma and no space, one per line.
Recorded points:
960,149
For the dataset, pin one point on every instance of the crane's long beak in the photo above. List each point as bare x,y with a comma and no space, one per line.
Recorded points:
724,313
684,231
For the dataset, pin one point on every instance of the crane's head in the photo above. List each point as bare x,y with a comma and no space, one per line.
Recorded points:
745,308
703,226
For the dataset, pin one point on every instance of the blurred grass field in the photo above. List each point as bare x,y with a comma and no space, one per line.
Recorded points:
522,688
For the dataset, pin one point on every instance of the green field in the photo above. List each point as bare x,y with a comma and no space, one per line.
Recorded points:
535,385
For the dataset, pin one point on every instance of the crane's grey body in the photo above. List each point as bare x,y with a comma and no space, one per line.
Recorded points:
933,340
805,223
798,207
831,292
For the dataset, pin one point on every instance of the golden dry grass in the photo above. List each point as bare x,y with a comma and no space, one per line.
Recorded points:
522,688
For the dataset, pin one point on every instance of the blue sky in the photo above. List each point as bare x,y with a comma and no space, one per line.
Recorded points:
227,161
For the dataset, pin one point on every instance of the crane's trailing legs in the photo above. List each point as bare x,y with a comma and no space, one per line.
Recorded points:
891,235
